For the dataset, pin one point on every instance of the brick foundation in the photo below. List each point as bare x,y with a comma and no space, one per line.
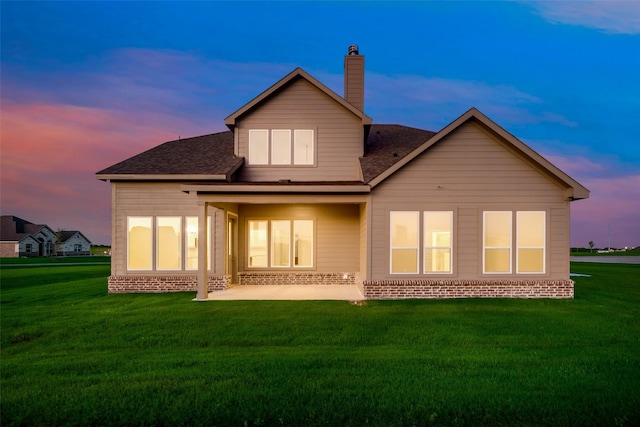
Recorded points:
156,284
404,289
254,278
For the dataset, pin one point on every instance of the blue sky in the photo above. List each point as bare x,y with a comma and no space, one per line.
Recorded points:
87,84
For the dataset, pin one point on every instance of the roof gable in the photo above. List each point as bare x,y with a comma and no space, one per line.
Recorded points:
65,235
280,85
576,190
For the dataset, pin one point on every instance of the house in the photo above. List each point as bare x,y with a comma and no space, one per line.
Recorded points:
304,189
72,243
20,238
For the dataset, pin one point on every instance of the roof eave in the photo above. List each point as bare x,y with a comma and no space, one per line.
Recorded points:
164,177
276,188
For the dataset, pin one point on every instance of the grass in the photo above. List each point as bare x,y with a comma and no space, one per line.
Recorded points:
74,355
587,252
56,260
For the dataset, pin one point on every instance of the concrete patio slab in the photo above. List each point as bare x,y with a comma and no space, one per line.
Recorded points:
289,292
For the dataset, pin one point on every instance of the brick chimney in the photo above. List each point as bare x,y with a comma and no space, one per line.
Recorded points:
354,78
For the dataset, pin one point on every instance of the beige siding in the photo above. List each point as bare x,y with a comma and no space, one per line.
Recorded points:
338,134
337,233
150,199
364,240
469,172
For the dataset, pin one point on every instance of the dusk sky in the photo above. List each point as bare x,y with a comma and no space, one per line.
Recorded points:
87,84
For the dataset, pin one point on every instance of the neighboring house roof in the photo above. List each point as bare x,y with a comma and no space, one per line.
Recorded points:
13,228
63,236
202,157
296,74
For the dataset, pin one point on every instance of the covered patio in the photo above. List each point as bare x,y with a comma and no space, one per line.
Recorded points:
288,292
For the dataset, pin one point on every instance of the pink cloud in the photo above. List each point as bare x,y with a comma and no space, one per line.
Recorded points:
611,215
50,154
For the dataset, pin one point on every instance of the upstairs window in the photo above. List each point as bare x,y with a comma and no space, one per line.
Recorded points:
281,147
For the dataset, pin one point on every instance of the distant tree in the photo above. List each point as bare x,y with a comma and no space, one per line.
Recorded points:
591,244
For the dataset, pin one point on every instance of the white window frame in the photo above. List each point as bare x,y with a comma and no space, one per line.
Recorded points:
312,150
270,150
514,246
272,147
392,247
485,247
543,247
425,246
292,241
179,240
151,245
252,143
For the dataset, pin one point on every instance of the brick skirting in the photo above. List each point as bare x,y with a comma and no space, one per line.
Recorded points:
156,284
404,289
262,278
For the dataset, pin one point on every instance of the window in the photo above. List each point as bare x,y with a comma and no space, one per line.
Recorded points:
258,243
139,243
169,243
77,248
281,147
303,243
276,147
29,248
280,243
498,242
530,242
170,246
438,228
404,242
258,147
191,243
303,147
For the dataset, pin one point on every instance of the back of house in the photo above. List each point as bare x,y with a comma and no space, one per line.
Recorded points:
305,189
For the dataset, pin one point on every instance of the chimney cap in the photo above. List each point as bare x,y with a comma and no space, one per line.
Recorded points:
353,49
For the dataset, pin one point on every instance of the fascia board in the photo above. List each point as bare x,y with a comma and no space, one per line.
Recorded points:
165,177
276,189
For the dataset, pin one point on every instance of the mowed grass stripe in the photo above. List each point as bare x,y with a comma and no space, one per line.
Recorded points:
74,355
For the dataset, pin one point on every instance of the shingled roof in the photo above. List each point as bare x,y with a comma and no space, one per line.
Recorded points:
201,155
387,144
212,154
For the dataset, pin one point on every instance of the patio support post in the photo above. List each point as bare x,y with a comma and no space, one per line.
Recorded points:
203,244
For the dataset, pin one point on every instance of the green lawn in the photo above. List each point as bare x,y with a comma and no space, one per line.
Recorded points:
74,355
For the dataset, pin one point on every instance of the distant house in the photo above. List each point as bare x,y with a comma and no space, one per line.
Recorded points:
305,189
72,243
20,238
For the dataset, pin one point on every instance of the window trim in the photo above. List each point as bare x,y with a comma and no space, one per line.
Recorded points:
425,247
180,242
543,247
151,242
485,247
293,133
249,144
269,245
513,242
392,248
